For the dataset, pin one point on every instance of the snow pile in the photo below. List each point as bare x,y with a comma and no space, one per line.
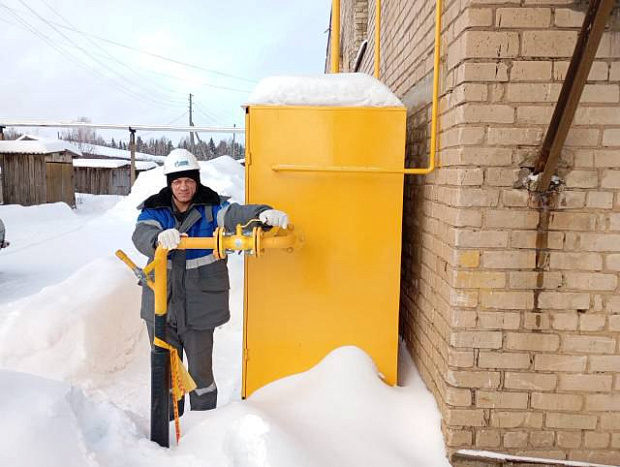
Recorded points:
337,414
339,90
74,385
76,328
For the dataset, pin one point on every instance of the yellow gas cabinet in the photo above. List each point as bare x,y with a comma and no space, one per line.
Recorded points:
342,286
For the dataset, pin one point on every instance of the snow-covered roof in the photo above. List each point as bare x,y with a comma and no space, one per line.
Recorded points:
338,90
37,147
104,151
28,138
112,163
97,150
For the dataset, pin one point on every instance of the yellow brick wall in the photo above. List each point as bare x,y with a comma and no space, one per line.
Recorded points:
521,359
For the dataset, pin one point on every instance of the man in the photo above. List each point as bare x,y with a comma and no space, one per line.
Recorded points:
198,283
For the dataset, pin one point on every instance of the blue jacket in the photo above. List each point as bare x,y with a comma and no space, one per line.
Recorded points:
198,283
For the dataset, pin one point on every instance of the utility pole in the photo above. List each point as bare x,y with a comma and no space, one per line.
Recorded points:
234,150
132,149
191,123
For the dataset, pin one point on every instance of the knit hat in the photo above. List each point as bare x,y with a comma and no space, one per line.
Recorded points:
193,174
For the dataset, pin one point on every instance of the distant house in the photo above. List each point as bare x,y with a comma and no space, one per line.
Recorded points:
106,176
94,151
37,172
100,170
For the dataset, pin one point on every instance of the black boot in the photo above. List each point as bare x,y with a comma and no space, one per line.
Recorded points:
207,401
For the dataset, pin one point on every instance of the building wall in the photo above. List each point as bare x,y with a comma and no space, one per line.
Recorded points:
516,332
23,179
102,181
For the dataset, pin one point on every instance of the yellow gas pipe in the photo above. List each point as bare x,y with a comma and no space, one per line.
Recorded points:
221,243
434,110
164,359
377,37
335,37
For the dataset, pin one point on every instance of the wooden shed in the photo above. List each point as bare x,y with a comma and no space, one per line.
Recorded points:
37,172
106,176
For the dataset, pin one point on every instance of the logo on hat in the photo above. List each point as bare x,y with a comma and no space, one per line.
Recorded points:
181,163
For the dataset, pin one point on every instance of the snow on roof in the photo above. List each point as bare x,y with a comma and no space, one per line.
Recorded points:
37,147
112,163
28,138
96,150
338,89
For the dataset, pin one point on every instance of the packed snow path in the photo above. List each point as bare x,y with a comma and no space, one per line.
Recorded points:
74,367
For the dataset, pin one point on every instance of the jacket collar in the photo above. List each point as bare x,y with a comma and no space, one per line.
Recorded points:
204,196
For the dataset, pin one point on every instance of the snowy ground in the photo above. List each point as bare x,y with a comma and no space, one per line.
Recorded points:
74,367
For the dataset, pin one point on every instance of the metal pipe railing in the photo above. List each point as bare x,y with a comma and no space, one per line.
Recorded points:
434,125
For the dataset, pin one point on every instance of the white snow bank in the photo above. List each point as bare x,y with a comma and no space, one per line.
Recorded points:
338,89
49,423
337,414
81,326
50,242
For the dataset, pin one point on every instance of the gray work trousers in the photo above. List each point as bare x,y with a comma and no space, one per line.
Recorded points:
198,346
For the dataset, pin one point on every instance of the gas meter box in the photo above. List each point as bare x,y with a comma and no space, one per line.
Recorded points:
342,287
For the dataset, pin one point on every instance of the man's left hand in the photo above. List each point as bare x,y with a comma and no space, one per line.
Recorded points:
274,218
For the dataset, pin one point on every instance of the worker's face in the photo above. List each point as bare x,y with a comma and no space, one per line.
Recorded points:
183,189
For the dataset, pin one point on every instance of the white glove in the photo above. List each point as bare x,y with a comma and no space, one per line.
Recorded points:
169,239
274,218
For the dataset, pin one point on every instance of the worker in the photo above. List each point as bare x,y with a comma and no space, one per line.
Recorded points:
198,282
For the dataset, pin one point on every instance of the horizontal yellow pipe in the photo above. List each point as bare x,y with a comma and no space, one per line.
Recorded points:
350,169
201,243
230,242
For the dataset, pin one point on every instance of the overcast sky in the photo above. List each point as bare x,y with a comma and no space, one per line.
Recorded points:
55,65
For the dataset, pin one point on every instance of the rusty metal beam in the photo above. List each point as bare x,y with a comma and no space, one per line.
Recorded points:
574,82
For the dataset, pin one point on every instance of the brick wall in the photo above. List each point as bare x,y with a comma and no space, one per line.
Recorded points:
514,328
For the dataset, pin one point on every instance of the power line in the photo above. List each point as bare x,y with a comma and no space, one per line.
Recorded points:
171,122
76,60
106,53
87,53
161,57
209,115
167,75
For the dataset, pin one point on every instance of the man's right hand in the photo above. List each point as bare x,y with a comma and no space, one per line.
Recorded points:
169,239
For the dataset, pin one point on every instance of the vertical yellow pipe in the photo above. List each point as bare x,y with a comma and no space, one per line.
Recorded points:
335,37
161,281
377,37
434,111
